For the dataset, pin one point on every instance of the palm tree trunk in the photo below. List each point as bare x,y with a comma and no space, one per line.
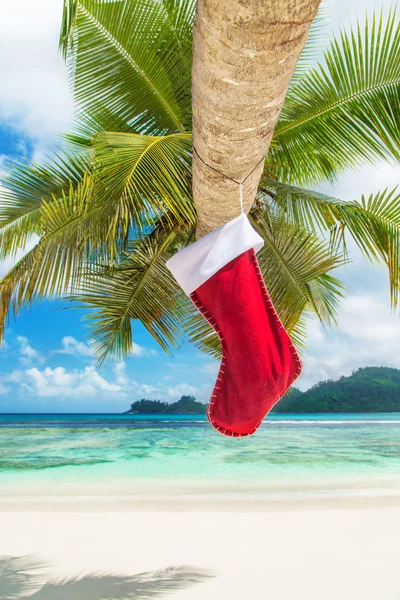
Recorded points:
244,55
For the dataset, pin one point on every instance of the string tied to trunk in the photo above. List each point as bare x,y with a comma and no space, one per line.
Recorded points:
239,183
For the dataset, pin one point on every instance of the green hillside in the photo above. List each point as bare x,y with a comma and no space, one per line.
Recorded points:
368,390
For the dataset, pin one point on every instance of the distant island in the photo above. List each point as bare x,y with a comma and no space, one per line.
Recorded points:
368,390
187,405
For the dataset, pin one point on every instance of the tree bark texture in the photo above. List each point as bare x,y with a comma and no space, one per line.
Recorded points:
244,56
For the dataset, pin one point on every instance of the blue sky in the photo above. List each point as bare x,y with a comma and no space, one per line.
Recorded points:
46,364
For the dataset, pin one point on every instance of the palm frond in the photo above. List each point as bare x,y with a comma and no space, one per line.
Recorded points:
138,179
307,208
200,333
68,24
59,260
130,57
311,50
24,189
75,221
94,119
346,111
295,265
82,227
141,177
373,222
298,335
139,287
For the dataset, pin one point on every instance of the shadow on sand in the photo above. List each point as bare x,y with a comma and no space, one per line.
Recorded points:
22,578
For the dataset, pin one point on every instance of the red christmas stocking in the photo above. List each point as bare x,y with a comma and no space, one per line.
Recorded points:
221,275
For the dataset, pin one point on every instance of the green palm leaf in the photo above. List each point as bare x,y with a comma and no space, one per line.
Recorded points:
200,333
25,188
128,56
312,47
298,335
139,287
139,177
295,266
373,222
307,208
60,259
91,121
344,112
83,227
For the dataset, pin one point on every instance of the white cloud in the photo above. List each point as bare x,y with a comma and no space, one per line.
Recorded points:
84,386
15,376
367,179
342,12
141,351
3,162
120,375
87,384
210,368
34,93
61,383
72,346
181,389
27,352
134,388
145,389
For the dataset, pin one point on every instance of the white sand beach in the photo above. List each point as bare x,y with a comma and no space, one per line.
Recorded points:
337,549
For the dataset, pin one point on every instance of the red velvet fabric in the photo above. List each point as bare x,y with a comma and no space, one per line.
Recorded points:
259,361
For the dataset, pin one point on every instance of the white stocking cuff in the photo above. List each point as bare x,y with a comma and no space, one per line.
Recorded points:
196,263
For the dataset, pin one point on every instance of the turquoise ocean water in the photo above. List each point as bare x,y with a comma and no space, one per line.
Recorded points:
101,448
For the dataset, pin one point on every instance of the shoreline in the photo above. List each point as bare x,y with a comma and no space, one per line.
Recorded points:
206,496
